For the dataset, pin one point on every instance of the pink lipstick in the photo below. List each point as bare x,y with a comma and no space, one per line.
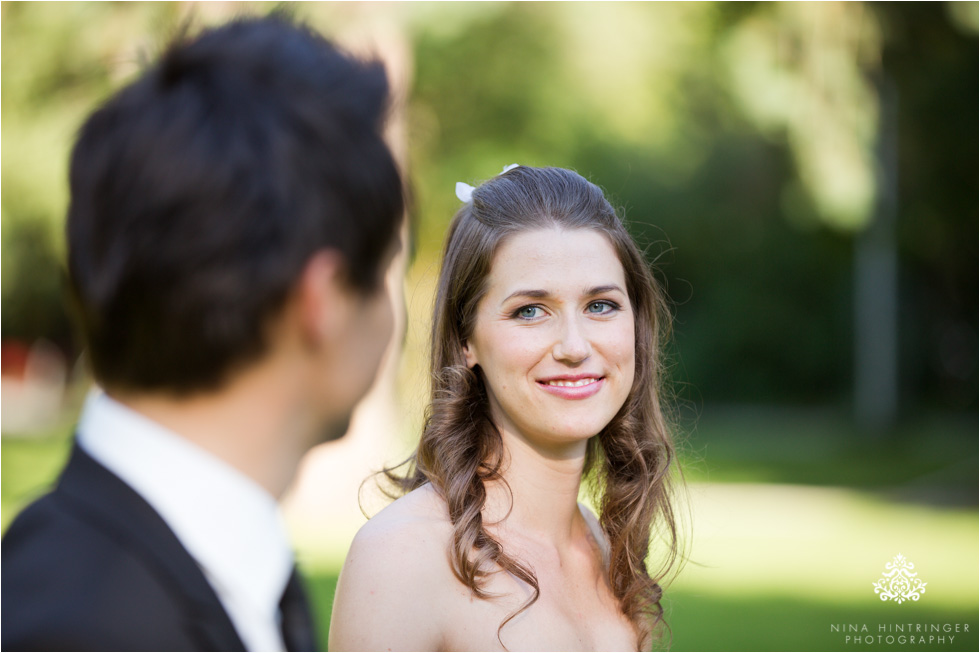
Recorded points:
572,386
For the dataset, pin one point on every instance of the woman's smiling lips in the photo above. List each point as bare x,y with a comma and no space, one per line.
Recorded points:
572,386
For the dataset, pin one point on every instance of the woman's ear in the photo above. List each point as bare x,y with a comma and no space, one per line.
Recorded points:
469,354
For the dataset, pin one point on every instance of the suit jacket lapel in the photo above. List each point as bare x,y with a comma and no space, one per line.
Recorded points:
123,513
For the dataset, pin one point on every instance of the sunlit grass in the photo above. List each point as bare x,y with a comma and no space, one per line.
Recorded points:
825,544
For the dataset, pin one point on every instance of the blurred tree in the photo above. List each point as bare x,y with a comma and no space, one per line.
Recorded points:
930,54
762,300
740,139
58,61
743,142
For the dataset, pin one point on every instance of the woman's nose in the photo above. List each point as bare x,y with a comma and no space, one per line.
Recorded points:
572,345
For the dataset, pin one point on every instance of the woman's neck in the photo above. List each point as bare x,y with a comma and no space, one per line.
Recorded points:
545,488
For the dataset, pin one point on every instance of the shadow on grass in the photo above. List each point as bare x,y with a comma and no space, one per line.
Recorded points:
926,460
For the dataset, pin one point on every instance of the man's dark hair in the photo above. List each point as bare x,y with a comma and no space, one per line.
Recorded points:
200,191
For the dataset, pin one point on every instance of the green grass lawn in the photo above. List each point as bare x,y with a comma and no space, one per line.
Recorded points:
793,517
702,622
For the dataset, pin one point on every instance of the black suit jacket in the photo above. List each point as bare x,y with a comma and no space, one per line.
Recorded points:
91,566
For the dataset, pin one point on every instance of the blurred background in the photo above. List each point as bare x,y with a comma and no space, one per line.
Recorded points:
803,177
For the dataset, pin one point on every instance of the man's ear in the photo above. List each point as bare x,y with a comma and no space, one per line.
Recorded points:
324,300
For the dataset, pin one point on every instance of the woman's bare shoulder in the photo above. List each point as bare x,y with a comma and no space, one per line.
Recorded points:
395,578
409,536
421,509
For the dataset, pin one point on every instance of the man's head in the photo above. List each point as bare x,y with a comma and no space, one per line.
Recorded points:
218,185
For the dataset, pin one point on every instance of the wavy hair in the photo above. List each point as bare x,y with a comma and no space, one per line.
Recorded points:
628,463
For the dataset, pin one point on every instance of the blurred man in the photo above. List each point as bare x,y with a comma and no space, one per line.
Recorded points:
233,212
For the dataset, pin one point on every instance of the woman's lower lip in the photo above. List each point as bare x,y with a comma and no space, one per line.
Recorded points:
574,392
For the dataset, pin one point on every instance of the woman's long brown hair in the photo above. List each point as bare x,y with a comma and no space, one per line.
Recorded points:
629,463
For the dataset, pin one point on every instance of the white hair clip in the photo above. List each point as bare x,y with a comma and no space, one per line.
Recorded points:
465,192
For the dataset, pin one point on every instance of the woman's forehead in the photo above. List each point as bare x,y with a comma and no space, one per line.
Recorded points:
555,260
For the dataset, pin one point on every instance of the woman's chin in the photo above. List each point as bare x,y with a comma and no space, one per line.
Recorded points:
568,432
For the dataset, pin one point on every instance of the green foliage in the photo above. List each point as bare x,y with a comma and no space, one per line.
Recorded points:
736,137
742,210
32,284
58,62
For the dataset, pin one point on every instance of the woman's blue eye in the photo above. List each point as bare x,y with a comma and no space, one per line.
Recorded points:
600,307
528,312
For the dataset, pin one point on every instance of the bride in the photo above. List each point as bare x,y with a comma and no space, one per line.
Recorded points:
546,365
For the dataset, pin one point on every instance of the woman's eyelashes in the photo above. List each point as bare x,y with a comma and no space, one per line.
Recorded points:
532,312
528,313
602,307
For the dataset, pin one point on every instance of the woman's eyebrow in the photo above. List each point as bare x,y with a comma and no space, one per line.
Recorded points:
533,294
544,294
599,290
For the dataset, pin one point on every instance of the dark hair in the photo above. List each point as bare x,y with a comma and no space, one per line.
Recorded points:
629,461
200,191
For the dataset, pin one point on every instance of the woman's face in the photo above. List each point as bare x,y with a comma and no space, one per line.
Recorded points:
554,336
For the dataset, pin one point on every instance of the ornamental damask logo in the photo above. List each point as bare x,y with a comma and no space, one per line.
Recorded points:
899,583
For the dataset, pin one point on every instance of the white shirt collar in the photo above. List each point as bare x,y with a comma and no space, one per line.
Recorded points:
230,525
